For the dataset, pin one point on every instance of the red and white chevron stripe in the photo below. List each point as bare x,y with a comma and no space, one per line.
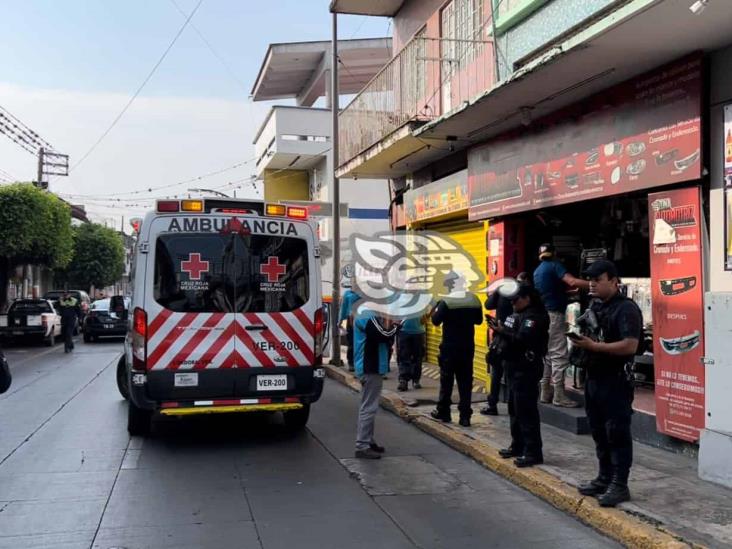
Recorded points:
196,341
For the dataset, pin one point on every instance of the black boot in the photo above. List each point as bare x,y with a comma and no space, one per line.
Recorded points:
594,487
490,410
617,492
528,461
436,414
509,452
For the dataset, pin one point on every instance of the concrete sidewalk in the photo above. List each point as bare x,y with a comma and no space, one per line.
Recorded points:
671,506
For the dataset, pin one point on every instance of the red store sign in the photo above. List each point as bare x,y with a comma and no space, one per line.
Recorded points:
678,311
642,133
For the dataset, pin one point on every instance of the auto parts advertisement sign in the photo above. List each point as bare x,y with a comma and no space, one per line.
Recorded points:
642,133
678,311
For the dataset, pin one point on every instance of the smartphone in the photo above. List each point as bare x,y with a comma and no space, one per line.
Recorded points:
572,335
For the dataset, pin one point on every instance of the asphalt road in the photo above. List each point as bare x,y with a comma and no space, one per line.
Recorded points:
71,477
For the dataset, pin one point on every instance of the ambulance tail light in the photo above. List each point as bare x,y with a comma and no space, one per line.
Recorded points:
279,210
168,206
296,212
191,205
139,340
319,328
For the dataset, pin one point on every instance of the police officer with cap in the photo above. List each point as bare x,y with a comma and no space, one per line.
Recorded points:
609,386
458,313
521,345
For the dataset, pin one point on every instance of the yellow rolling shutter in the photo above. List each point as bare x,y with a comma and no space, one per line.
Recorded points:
471,236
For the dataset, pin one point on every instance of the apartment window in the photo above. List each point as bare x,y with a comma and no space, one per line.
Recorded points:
509,13
462,31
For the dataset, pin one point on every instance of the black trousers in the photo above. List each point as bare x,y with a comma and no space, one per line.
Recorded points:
67,330
410,351
458,369
609,406
496,375
523,410
349,344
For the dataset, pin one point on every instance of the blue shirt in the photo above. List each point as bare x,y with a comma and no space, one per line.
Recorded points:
349,299
413,326
548,281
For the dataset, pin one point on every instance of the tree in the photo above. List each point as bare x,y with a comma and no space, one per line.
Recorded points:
36,229
98,259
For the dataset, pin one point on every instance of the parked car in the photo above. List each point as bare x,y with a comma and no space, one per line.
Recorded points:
101,322
31,318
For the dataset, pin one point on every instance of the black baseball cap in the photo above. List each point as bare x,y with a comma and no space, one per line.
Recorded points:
546,250
599,267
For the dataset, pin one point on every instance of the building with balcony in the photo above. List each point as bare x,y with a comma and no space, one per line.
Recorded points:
293,146
589,124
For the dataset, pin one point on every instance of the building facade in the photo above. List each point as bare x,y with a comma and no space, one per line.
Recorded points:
601,126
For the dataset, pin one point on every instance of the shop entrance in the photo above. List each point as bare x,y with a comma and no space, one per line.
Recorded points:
616,228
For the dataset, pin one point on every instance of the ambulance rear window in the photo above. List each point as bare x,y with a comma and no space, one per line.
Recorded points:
231,273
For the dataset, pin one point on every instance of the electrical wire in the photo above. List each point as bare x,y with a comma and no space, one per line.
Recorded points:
140,88
167,186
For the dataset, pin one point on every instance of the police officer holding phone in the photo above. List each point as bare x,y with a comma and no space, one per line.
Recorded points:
521,345
609,386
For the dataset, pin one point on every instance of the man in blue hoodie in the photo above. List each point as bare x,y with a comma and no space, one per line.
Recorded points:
372,338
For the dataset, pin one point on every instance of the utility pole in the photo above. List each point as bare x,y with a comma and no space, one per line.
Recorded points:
39,181
336,294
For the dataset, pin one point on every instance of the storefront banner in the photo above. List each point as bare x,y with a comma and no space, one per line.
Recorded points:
678,311
447,195
642,133
728,186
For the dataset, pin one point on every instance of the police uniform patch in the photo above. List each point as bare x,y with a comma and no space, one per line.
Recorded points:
528,323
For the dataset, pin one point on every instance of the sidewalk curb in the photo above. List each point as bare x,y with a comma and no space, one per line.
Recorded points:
614,523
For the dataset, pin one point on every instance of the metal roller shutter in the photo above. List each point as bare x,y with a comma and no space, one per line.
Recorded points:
472,237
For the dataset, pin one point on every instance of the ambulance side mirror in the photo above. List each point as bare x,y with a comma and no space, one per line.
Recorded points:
117,306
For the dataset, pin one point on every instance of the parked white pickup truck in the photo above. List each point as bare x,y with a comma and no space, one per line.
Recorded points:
31,318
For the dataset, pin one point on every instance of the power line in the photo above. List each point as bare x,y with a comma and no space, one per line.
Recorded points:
139,89
168,186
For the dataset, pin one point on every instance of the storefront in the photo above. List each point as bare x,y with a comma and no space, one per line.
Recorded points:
617,176
443,206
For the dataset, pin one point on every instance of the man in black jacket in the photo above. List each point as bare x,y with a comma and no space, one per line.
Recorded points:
458,314
523,339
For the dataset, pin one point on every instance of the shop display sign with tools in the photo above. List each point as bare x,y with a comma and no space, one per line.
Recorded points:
643,133
678,314
441,197
728,186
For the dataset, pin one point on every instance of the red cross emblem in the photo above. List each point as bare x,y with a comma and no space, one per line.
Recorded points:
194,267
273,269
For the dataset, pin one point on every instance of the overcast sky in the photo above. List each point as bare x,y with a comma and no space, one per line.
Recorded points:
67,68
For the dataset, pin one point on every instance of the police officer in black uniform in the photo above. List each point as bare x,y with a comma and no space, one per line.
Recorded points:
609,386
522,344
503,309
458,314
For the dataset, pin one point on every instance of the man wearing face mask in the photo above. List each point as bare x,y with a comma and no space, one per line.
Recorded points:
522,345
609,386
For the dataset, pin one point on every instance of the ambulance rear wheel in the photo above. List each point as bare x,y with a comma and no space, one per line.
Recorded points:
138,421
122,384
295,420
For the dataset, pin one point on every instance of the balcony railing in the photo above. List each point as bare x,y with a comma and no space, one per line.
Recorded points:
427,78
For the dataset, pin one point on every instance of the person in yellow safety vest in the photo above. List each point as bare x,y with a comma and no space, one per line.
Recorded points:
69,306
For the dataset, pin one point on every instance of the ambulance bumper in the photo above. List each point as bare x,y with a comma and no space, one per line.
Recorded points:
234,389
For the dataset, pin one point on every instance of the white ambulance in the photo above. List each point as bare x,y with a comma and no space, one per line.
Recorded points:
226,313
